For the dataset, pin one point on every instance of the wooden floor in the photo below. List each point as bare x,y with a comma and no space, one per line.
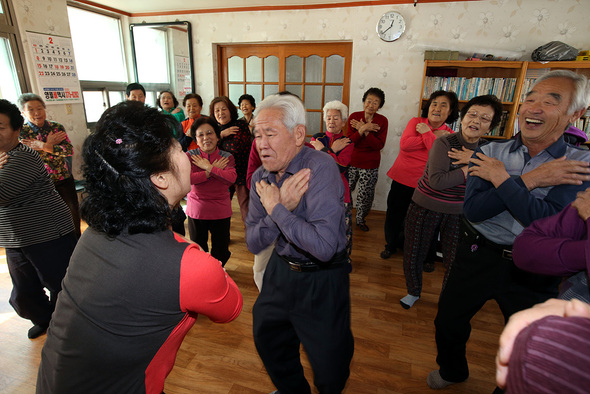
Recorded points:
394,347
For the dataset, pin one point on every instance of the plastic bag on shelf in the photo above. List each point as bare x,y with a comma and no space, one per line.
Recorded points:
554,51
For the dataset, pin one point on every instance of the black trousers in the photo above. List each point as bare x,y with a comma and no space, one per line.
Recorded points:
398,200
309,308
33,268
199,232
479,274
67,190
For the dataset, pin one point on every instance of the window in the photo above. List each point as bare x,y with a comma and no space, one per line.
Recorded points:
316,72
13,82
100,60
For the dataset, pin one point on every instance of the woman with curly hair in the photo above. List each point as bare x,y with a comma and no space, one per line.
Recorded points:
133,288
236,139
368,131
417,139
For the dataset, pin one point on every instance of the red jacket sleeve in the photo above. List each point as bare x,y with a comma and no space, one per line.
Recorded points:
206,288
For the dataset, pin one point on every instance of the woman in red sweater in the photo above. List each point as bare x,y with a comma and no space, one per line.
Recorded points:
442,107
368,131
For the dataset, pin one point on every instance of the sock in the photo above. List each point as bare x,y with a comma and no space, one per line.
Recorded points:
408,301
436,382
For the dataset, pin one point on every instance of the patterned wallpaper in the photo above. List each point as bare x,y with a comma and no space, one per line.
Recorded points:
508,28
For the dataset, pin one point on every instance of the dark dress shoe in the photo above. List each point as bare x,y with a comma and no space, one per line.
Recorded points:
363,227
36,331
386,254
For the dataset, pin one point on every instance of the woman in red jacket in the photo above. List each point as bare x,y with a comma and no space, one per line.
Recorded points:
417,139
368,131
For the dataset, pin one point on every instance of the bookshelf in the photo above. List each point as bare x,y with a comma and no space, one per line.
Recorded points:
508,80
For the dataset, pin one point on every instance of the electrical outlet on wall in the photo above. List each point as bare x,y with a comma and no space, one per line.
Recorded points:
69,109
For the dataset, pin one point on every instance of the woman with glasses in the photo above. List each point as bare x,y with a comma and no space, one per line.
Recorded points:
437,202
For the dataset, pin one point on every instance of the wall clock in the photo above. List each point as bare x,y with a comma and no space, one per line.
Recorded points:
391,26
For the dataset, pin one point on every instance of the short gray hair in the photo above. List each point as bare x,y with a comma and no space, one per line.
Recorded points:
338,106
290,106
581,93
26,97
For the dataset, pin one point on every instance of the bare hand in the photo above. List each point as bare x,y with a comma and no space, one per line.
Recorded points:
422,128
356,124
294,188
557,172
488,168
461,156
369,127
221,163
229,131
3,159
440,133
56,137
176,110
340,144
523,319
33,144
581,203
317,144
269,195
201,162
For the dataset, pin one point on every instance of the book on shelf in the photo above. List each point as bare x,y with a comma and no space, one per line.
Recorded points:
467,88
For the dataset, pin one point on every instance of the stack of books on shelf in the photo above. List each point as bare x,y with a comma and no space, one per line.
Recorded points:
584,123
467,88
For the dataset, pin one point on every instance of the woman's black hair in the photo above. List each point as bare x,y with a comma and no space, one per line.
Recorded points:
453,101
375,92
488,100
9,109
192,96
248,97
173,98
204,120
228,103
132,141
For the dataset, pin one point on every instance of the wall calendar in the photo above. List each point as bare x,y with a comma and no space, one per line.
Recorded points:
55,68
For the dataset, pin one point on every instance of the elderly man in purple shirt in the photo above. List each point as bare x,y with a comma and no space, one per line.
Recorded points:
298,203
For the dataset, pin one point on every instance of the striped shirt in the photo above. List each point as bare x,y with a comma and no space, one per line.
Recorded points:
31,210
442,186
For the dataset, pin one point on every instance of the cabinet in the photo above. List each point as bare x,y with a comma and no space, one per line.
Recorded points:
509,81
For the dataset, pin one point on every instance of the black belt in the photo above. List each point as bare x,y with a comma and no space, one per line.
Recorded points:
478,240
298,266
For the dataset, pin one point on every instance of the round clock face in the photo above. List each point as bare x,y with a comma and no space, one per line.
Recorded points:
391,25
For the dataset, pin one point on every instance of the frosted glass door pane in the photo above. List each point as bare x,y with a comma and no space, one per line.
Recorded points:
314,69
294,65
253,69
314,122
235,91
335,69
295,89
313,97
235,69
333,93
271,69
255,91
270,90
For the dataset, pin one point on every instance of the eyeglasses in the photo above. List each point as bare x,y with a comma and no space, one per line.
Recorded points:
482,118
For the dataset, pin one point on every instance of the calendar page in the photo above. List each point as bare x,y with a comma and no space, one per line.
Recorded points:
183,76
55,68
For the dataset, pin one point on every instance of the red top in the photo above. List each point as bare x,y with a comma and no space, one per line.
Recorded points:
413,153
367,148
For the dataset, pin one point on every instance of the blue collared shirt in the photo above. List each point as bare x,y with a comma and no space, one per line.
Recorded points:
501,214
315,230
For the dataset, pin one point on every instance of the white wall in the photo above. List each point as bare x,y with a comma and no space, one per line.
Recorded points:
496,26
51,17
493,26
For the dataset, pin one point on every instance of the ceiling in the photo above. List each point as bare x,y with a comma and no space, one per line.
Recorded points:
142,7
